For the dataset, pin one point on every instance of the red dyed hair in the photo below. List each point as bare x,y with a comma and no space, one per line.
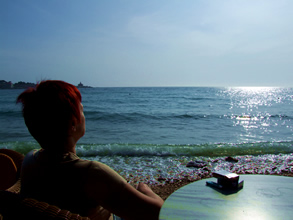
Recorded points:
50,109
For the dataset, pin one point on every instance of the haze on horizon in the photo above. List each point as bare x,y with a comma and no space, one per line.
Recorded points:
148,43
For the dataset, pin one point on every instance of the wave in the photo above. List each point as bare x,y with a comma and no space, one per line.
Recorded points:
282,116
149,150
96,115
198,98
104,116
22,147
10,113
92,115
209,150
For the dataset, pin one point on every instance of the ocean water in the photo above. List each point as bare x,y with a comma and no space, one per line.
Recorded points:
133,129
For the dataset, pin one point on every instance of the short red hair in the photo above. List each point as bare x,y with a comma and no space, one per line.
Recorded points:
50,109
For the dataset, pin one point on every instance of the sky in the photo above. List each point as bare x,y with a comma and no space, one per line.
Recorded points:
115,43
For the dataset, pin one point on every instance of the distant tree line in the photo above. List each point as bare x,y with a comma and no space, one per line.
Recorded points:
19,85
24,85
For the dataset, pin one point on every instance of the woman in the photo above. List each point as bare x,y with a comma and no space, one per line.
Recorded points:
54,116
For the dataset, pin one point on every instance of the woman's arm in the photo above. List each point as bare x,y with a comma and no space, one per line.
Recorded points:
112,192
140,203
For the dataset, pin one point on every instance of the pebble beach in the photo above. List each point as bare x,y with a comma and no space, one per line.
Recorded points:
165,175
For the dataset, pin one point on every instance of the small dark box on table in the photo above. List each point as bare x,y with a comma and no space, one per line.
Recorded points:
226,180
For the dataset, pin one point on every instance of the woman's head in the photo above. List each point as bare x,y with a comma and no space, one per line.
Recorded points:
50,110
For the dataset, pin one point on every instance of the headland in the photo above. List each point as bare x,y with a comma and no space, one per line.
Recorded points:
24,85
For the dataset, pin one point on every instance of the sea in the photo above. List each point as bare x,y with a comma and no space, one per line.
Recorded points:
151,133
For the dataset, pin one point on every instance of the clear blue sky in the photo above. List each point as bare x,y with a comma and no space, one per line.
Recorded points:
148,43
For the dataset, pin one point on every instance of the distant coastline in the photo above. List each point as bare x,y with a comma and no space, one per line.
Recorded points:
24,85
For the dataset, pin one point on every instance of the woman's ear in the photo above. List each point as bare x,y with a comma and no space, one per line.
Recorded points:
72,129
73,125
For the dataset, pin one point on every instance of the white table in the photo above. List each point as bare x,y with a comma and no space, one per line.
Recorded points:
262,197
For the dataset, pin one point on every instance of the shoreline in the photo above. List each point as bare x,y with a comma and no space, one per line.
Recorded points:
161,170
165,185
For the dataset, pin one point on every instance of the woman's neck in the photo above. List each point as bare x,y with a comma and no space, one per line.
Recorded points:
60,147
